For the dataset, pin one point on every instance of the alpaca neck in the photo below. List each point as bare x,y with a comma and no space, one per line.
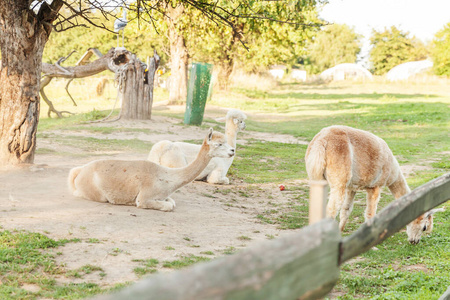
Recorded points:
399,188
192,170
231,134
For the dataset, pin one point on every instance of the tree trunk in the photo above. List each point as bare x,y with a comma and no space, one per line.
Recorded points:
178,56
227,58
137,88
22,42
223,77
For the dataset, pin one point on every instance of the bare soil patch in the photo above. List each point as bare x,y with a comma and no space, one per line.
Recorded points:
207,217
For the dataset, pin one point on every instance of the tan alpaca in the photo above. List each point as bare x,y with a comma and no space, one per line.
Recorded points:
351,159
143,183
423,224
179,154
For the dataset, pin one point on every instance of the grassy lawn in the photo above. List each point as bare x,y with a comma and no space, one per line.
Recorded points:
416,127
414,119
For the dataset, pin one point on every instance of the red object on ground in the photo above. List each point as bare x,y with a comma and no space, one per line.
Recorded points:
282,187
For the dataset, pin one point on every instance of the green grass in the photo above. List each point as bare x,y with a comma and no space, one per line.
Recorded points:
25,259
416,127
262,162
184,261
148,266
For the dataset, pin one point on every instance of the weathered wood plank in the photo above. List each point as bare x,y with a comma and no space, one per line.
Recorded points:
395,216
303,265
446,295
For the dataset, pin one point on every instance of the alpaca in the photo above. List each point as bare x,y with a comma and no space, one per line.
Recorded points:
351,159
423,224
143,183
179,154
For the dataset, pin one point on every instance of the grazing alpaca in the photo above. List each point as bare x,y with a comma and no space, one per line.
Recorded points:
351,159
423,224
179,154
143,183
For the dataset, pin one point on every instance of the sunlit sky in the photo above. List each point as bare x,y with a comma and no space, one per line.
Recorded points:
418,17
421,18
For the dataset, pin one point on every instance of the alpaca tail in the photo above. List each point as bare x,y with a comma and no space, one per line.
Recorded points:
72,175
315,159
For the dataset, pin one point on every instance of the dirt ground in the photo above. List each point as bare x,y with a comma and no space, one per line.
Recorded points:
207,217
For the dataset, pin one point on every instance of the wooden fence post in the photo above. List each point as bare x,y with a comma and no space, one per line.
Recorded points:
318,195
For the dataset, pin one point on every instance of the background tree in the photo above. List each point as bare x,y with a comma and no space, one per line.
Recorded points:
141,39
25,29
440,51
393,47
334,44
266,41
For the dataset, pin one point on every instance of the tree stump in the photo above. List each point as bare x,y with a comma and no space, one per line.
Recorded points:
136,81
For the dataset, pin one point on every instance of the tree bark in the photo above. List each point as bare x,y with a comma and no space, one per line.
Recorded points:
227,58
22,42
137,88
179,57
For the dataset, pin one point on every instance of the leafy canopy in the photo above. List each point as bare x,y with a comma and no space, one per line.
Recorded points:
393,47
440,51
335,44
258,34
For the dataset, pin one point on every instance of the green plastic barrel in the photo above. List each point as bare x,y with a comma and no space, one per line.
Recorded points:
197,93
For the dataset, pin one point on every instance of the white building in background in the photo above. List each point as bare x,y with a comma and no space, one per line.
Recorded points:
409,69
277,71
298,74
346,71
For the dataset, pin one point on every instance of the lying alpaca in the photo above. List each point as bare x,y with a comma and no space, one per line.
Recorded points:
179,154
143,183
350,160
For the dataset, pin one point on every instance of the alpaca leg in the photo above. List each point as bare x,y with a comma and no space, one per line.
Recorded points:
346,209
164,205
217,177
373,196
89,187
335,202
219,174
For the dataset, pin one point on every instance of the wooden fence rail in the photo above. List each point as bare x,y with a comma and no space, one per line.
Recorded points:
446,295
302,265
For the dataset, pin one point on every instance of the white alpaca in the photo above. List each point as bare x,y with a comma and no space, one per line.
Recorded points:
179,154
351,159
143,183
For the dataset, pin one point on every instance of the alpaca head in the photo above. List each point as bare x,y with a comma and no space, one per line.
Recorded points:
236,118
218,146
421,225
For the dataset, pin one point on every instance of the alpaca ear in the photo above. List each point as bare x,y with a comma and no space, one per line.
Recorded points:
210,133
433,211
